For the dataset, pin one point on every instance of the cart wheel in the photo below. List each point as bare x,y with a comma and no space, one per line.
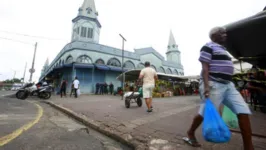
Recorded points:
127,103
139,102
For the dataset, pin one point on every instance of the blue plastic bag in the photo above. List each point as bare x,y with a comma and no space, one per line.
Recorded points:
214,128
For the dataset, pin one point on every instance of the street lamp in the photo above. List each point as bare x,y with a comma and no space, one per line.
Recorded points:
123,76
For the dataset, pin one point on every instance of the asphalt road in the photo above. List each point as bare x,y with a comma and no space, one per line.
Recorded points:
53,131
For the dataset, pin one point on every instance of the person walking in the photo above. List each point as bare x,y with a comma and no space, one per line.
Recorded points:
63,88
216,84
149,76
111,87
97,88
72,88
76,86
101,88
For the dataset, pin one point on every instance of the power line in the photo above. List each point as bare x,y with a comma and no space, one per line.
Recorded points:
27,35
16,41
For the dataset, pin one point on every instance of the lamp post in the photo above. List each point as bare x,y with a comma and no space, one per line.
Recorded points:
24,73
122,66
32,70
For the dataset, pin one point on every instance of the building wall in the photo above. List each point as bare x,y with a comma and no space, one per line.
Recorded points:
89,24
154,60
174,56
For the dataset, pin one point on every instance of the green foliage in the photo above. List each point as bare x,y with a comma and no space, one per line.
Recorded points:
11,81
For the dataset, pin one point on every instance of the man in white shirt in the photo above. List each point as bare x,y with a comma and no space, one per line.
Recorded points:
76,86
149,76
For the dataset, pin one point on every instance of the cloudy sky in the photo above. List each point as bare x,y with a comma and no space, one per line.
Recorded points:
144,23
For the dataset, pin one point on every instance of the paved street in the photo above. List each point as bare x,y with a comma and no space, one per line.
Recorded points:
4,93
54,130
169,121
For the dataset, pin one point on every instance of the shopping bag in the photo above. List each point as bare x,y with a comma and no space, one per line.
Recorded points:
230,118
214,128
140,92
78,92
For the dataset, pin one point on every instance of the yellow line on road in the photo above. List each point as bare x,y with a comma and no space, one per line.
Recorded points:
8,138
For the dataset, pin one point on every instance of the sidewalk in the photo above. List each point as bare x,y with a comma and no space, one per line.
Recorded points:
161,129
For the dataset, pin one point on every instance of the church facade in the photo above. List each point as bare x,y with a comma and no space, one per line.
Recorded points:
95,63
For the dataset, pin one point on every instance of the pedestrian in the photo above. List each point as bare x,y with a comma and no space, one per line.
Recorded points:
97,88
72,88
101,89
216,84
63,88
149,76
111,87
105,88
76,86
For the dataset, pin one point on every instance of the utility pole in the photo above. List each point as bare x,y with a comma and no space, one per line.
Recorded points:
123,80
14,74
24,73
32,70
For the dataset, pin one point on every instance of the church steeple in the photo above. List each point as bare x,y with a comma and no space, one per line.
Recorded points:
45,67
86,26
88,9
46,62
173,54
171,43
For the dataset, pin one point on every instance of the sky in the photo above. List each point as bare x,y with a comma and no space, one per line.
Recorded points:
144,23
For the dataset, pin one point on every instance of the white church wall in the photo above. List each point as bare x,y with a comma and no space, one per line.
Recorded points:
87,24
95,56
152,59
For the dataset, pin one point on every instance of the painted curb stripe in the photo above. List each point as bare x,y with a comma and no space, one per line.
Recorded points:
8,138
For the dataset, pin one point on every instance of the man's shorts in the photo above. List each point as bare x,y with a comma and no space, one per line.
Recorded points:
224,94
147,90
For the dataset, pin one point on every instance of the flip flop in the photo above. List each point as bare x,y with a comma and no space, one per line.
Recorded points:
191,142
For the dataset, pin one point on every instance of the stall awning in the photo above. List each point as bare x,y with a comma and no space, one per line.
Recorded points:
246,39
83,65
117,69
68,65
102,67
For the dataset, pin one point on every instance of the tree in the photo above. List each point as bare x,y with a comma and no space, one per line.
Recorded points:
11,81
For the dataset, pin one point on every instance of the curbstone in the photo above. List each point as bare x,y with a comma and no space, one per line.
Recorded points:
126,139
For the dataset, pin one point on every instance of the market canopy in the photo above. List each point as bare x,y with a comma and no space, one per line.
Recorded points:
133,75
246,39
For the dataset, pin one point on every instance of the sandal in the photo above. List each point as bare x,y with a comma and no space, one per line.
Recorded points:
191,142
149,110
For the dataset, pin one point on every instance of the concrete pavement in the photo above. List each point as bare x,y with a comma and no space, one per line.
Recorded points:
54,130
164,128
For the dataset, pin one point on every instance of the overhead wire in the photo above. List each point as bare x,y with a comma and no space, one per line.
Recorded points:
33,36
9,39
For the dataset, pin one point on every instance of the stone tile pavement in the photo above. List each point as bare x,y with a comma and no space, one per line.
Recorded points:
161,129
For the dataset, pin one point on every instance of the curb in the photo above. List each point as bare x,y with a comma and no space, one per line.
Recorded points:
94,125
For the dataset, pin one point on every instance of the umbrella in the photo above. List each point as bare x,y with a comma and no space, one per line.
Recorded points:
246,39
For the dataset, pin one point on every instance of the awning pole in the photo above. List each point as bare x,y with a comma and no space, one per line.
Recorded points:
241,66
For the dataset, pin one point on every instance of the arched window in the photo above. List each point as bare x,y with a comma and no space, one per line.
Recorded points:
60,63
176,72
168,71
114,62
153,67
69,60
161,69
100,61
84,59
63,62
129,65
140,66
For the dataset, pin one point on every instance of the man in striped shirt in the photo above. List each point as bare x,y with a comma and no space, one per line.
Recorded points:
216,83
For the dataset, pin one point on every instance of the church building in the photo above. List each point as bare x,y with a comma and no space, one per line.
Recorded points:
93,62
